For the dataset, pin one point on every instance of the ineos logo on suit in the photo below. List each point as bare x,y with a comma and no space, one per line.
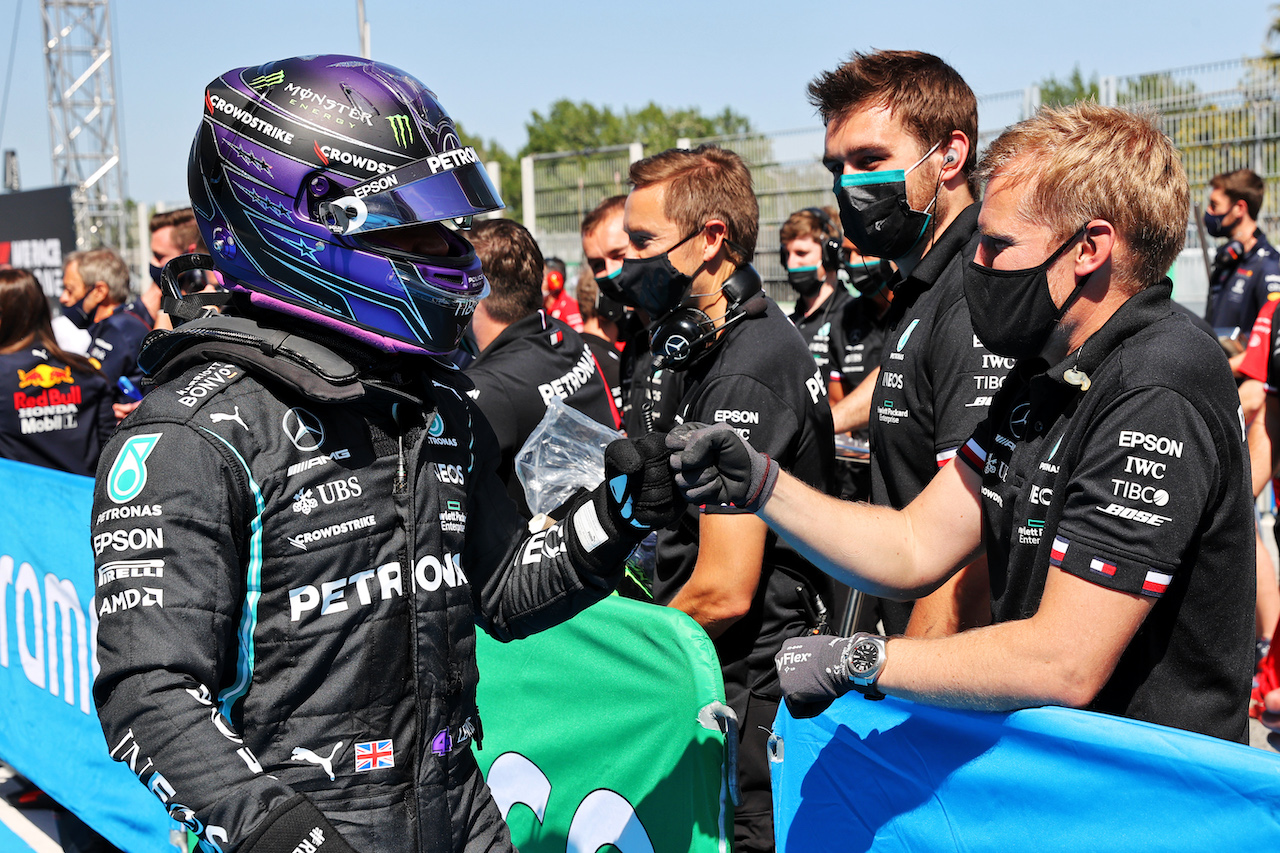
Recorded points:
303,429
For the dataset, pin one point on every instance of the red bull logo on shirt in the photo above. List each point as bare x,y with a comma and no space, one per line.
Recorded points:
44,376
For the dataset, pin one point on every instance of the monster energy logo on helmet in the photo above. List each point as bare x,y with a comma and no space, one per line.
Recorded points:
402,128
266,81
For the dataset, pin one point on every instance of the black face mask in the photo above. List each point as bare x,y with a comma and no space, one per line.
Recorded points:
876,215
608,285
869,278
155,273
804,280
654,285
610,309
1215,226
77,314
1012,312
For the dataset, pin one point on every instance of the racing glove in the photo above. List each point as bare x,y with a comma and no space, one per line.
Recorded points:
296,825
640,489
714,465
637,496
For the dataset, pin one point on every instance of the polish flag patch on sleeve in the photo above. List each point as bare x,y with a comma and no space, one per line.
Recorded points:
1059,551
1157,583
1102,567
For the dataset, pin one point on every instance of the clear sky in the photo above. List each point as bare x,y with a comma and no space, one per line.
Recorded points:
492,63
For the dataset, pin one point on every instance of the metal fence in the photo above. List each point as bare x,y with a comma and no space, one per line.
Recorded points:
1222,116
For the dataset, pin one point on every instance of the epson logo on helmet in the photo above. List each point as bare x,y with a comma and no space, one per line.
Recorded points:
445,161
377,185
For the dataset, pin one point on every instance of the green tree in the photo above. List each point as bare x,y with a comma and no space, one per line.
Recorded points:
570,126
1061,93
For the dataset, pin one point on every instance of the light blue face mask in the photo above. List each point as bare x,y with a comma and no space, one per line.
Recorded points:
875,213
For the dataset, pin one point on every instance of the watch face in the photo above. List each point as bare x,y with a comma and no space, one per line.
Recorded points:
863,657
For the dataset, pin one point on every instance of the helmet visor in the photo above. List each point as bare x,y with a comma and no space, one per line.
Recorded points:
450,185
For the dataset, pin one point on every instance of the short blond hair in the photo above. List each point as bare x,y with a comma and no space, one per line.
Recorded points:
1086,162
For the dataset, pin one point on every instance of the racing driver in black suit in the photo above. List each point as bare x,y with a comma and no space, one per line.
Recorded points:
298,530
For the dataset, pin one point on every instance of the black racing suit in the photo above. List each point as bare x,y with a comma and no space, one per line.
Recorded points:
292,558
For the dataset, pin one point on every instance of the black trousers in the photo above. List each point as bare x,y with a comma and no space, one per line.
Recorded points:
753,820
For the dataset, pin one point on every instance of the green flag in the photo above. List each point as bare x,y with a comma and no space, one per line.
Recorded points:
595,732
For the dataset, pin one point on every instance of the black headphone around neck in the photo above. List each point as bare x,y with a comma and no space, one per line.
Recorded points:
831,244
685,335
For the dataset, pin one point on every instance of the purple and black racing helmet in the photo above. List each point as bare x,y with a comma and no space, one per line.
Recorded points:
321,185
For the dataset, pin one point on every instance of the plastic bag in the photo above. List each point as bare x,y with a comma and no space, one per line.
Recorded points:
564,452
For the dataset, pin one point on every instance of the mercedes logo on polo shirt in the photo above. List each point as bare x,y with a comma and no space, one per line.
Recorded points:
303,429
1018,420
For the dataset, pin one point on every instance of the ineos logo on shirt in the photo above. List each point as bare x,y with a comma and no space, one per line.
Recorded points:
303,429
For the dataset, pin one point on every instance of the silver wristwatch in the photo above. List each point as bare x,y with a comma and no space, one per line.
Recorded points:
863,662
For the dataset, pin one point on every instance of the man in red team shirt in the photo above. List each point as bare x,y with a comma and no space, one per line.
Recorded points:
555,301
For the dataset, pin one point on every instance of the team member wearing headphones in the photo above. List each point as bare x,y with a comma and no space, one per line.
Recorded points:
811,254
844,333
691,221
899,141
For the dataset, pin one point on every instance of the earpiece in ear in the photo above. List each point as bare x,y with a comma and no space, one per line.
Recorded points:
952,157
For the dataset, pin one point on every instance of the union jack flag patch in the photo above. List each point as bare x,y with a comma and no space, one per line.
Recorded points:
374,755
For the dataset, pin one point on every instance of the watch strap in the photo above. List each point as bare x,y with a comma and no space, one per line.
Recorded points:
869,691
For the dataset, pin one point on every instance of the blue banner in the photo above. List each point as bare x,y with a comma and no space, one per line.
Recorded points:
49,729
894,776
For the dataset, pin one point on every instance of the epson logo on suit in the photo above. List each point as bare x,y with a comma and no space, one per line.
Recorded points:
136,539
736,416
